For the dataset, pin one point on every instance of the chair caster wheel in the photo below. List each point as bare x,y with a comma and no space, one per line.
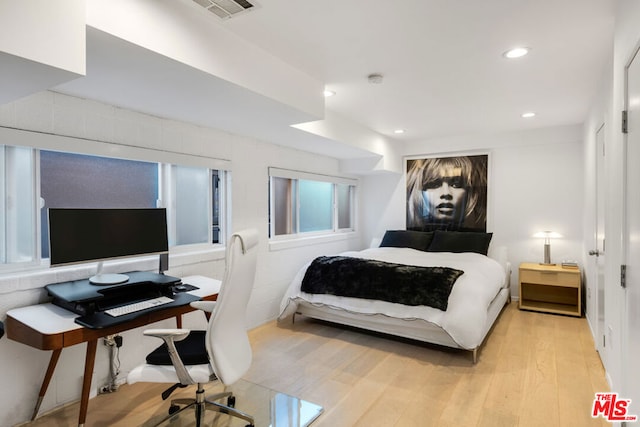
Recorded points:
231,401
173,409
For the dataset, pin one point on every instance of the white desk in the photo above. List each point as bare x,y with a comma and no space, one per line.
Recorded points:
49,327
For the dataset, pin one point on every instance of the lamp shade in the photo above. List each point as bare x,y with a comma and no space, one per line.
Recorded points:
547,234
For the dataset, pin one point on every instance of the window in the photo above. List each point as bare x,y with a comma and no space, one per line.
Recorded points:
192,210
345,196
216,207
79,181
316,205
308,203
17,205
192,196
283,198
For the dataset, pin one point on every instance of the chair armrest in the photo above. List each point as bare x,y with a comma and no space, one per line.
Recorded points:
207,306
170,336
175,334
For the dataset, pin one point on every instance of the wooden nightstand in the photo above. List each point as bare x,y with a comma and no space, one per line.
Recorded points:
550,289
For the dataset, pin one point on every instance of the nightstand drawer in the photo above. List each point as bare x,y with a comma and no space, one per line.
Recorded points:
551,278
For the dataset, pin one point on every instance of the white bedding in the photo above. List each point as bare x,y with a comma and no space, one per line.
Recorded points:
470,297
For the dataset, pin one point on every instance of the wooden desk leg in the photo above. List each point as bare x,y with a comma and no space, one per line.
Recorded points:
86,381
47,379
179,319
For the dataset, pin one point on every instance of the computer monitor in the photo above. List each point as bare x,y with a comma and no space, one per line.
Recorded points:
90,235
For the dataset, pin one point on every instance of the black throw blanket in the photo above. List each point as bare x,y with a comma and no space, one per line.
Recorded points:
378,280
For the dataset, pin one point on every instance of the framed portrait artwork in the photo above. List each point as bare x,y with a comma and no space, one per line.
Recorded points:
447,193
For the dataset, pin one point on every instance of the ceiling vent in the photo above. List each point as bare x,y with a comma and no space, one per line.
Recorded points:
226,8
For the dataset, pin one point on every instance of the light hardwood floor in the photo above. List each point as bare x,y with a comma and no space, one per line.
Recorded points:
535,369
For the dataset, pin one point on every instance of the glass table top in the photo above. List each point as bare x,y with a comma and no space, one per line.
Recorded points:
268,407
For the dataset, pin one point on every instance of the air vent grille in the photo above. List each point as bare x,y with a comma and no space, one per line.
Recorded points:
225,8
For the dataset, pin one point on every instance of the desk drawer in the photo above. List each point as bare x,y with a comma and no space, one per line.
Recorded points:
550,278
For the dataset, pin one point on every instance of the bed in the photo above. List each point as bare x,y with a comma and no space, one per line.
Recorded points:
477,295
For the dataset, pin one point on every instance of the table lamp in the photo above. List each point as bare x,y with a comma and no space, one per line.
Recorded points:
547,235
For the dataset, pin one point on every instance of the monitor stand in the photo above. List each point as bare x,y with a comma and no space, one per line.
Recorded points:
108,279
104,279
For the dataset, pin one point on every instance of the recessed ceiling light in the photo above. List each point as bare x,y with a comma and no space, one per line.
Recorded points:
517,52
328,93
398,131
528,115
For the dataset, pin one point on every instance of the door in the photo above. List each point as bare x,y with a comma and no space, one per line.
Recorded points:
598,252
631,309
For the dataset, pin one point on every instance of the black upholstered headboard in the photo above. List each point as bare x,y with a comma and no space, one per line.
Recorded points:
438,241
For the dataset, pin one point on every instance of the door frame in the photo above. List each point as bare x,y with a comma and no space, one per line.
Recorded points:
598,266
627,362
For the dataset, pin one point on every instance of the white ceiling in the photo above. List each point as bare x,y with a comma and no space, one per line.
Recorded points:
442,62
442,59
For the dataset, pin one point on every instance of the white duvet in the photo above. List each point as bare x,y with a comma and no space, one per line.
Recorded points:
470,297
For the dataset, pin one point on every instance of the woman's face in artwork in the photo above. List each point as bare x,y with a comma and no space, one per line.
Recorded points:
445,196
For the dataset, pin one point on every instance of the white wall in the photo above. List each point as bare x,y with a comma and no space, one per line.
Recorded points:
607,108
539,179
535,184
50,112
599,115
184,32
41,42
627,308
45,32
523,199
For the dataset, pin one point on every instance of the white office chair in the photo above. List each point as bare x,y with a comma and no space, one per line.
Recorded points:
222,351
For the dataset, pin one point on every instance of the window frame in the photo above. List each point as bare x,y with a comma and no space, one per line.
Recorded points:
320,235
168,189
352,210
9,222
164,163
